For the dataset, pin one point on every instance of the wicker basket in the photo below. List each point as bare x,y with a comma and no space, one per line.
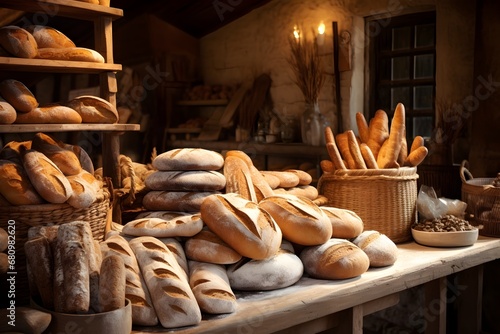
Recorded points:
385,199
26,216
483,202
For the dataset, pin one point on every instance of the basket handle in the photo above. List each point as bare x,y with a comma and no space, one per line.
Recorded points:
465,172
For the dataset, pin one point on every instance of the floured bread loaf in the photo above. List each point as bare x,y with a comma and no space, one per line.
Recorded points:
112,283
242,224
346,224
211,288
94,109
238,178
335,259
177,248
143,313
278,271
7,112
188,159
206,246
18,95
66,160
41,266
186,181
183,225
381,250
182,201
300,220
18,42
47,37
173,299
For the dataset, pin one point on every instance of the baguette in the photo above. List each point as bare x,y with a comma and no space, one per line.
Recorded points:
363,129
175,246
183,225
18,42
70,54
417,142
333,151
416,157
76,282
389,152
367,154
379,131
49,114
403,152
327,166
343,145
112,284
356,155
305,178
18,95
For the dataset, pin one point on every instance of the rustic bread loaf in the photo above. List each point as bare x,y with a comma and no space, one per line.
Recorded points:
182,201
272,180
70,54
112,283
177,248
12,151
308,191
189,159
65,159
242,224
18,95
83,194
300,220
186,181
287,179
304,177
18,42
15,185
238,178
49,114
211,288
173,299
82,155
183,225
381,250
335,259
346,224
206,246
94,109
7,112
47,37
40,262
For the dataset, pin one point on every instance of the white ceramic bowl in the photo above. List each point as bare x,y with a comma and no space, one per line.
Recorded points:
445,239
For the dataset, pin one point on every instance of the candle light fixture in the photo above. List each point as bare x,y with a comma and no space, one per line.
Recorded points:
296,33
320,39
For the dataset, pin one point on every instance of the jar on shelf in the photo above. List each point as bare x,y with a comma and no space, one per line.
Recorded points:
312,125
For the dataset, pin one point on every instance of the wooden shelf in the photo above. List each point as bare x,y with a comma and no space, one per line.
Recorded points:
25,128
67,8
201,103
59,66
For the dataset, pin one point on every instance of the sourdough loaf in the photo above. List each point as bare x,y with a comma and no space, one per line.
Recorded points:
381,250
7,112
183,201
49,114
183,225
186,181
346,224
18,95
65,159
206,246
16,186
189,159
48,37
94,109
18,42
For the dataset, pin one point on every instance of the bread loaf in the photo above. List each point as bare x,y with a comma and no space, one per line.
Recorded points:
206,246
65,159
333,149
83,194
18,95
310,192
7,112
379,131
272,180
47,37
356,155
112,284
47,179
182,201
287,179
188,159
16,186
94,109
363,129
186,181
300,220
82,156
335,259
381,250
238,178
12,151
143,313
389,152
47,231
40,262
173,299
242,224
50,114
18,42
70,54
3,239
211,288
346,224
183,225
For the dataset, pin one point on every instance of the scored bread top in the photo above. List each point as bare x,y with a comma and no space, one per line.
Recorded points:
189,159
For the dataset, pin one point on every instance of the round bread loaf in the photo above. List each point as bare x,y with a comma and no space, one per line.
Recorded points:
242,224
16,186
346,224
47,37
287,179
18,95
335,259
186,180
70,54
300,220
184,201
307,191
183,159
51,114
18,42
7,112
279,271
65,159
381,250
183,225
206,246
94,109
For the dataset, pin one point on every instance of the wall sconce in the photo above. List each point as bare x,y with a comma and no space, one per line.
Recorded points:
321,33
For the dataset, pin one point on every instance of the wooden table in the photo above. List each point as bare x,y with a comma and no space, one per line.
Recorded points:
313,305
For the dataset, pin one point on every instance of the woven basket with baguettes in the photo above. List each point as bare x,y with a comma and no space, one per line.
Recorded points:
385,199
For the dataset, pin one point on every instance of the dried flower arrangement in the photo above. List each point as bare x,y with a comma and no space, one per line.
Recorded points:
450,121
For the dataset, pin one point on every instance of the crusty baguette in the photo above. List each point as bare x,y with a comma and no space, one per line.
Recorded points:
363,129
343,145
389,152
379,131
416,157
356,155
367,154
183,225
70,54
49,114
417,142
333,150
112,284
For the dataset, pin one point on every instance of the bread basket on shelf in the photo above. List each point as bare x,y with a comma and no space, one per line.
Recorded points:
483,201
385,199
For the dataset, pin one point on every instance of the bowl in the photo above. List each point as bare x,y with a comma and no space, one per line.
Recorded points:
445,239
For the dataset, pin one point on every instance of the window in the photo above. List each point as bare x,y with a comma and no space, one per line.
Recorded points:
402,68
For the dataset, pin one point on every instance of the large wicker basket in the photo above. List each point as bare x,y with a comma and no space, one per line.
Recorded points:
385,199
21,218
483,202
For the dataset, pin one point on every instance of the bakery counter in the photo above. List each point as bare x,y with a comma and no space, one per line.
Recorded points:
313,305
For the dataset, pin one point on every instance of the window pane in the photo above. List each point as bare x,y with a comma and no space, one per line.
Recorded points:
400,68
400,94
424,35
401,38
424,66
385,69
422,126
422,97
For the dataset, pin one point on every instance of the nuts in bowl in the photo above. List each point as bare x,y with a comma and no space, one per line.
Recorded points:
445,231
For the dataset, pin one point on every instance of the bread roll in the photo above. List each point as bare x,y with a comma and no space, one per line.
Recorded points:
182,201
186,181
173,299
183,225
143,313
51,114
206,246
47,37
211,288
238,178
18,95
278,271
310,192
335,259
346,224
7,112
287,179
65,159
300,220
40,262
189,159
18,42
70,54
16,186
381,250
94,109
46,177
112,284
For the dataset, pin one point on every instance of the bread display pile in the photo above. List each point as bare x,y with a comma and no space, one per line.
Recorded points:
43,170
19,105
